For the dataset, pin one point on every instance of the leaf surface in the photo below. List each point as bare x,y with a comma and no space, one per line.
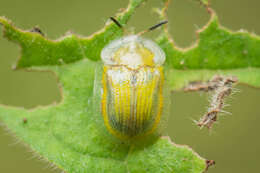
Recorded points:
71,134
217,51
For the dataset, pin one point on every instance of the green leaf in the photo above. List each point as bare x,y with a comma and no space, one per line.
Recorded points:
217,51
72,134
38,50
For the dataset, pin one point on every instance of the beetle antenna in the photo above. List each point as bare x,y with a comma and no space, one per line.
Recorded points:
158,25
116,22
153,27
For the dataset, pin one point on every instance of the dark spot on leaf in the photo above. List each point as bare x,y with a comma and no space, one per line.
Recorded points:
209,163
37,30
25,120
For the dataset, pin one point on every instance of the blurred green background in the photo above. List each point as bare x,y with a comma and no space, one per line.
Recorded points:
233,143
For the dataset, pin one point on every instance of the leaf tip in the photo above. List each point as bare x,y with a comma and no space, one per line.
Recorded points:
209,163
4,21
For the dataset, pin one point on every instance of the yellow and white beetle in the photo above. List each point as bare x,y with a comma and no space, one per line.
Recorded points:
132,98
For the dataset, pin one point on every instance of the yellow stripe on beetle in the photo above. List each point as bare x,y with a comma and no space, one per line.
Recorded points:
132,98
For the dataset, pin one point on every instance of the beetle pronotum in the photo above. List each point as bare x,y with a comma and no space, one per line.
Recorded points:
132,98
